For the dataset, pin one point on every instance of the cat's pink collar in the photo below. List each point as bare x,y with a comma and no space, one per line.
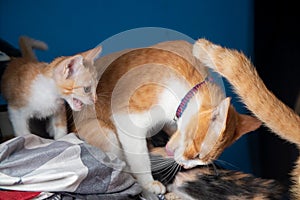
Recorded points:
184,102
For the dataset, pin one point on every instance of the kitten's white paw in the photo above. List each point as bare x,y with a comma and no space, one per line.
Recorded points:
57,132
156,187
202,50
59,135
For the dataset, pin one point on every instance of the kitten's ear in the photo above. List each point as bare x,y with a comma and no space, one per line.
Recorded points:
246,124
70,66
92,54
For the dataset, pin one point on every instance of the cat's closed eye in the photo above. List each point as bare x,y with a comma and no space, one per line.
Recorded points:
87,89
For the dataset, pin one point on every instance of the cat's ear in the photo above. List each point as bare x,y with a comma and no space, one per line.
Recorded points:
217,126
69,66
219,115
246,124
92,54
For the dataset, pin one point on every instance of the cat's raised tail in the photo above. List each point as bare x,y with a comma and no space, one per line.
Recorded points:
27,45
241,73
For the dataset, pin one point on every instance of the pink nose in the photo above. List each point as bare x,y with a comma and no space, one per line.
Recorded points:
169,151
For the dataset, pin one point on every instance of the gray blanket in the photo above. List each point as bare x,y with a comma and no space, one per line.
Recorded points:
68,166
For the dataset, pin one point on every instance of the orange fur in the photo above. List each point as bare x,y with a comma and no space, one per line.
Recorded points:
241,73
132,82
147,94
27,45
38,89
144,97
196,136
24,75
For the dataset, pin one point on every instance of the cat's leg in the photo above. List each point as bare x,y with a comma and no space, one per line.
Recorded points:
57,126
19,120
137,157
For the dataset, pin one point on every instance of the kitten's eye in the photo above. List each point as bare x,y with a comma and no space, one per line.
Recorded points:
87,89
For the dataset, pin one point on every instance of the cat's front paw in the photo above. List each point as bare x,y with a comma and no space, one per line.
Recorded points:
156,187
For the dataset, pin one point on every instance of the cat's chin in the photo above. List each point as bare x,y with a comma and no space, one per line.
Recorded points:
188,164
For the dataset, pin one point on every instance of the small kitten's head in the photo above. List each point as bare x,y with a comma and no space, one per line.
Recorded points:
76,77
216,129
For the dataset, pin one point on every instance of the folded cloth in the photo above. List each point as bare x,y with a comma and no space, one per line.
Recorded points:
32,163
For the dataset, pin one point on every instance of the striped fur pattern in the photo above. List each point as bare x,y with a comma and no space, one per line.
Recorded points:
213,181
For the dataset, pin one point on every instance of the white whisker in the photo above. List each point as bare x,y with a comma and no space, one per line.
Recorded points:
161,163
225,163
171,173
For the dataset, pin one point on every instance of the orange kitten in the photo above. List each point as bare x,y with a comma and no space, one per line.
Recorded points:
37,89
138,94
241,73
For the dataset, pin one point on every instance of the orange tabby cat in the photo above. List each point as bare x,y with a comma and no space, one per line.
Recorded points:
37,89
241,73
138,94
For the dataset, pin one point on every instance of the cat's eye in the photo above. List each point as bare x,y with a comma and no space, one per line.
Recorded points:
87,89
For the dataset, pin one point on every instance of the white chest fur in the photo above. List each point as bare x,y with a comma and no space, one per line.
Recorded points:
44,99
172,96
160,114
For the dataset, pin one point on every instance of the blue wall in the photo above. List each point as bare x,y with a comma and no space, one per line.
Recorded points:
69,27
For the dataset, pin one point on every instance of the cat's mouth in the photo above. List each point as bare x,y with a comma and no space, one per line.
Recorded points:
77,104
186,164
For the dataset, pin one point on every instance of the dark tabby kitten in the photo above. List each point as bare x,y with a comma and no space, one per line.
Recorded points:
207,182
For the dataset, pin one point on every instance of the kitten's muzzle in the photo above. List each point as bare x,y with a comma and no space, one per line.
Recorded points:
77,104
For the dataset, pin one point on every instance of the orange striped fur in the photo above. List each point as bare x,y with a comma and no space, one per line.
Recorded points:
241,73
138,94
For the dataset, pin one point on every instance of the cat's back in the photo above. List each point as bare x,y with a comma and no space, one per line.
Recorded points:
17,80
